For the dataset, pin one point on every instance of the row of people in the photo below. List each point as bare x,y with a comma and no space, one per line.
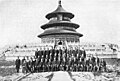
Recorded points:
61,60
75,67
64,56
61,52
31,65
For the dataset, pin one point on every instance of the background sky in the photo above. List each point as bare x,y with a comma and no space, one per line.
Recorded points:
20,20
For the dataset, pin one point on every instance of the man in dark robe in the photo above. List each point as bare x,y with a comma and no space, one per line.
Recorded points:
84,52
90,67
31,65
44,52
23,60
23,65
34,66
85,67
76,51
48,53
97,61
93,60
95,69
103,63
36,53
17,63
80,52
52,51
73,51
60,52
40,52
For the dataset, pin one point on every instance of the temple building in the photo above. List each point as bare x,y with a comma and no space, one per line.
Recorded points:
60,29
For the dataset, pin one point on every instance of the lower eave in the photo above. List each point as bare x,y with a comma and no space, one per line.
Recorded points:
63,33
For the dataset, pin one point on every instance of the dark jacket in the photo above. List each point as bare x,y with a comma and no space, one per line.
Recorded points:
17,63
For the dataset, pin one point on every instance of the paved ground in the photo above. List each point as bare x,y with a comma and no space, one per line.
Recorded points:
62,76
70,76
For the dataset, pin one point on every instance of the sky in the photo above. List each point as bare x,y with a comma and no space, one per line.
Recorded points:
20,20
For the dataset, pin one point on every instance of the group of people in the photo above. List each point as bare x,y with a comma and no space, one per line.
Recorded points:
62,59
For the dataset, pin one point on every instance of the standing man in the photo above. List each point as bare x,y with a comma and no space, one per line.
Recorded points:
84,52
36,53
23,65
17,63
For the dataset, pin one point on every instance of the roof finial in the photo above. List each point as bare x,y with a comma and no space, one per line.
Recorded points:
59,2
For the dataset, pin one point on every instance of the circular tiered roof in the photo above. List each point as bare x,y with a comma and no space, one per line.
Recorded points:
59,23
59,10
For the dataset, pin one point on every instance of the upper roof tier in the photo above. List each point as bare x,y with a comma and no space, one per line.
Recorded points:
59,10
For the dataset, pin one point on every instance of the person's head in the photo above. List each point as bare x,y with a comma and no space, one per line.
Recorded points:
83,48
77,54
102,60
51,47
54,59
59,47
82,55
71,48
34,57
31,58
40,48
18,57
47,48
23,57
80,59
72,54
27,57
37,49
44,48
76,48
55,54
55,48
46,56
24,61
